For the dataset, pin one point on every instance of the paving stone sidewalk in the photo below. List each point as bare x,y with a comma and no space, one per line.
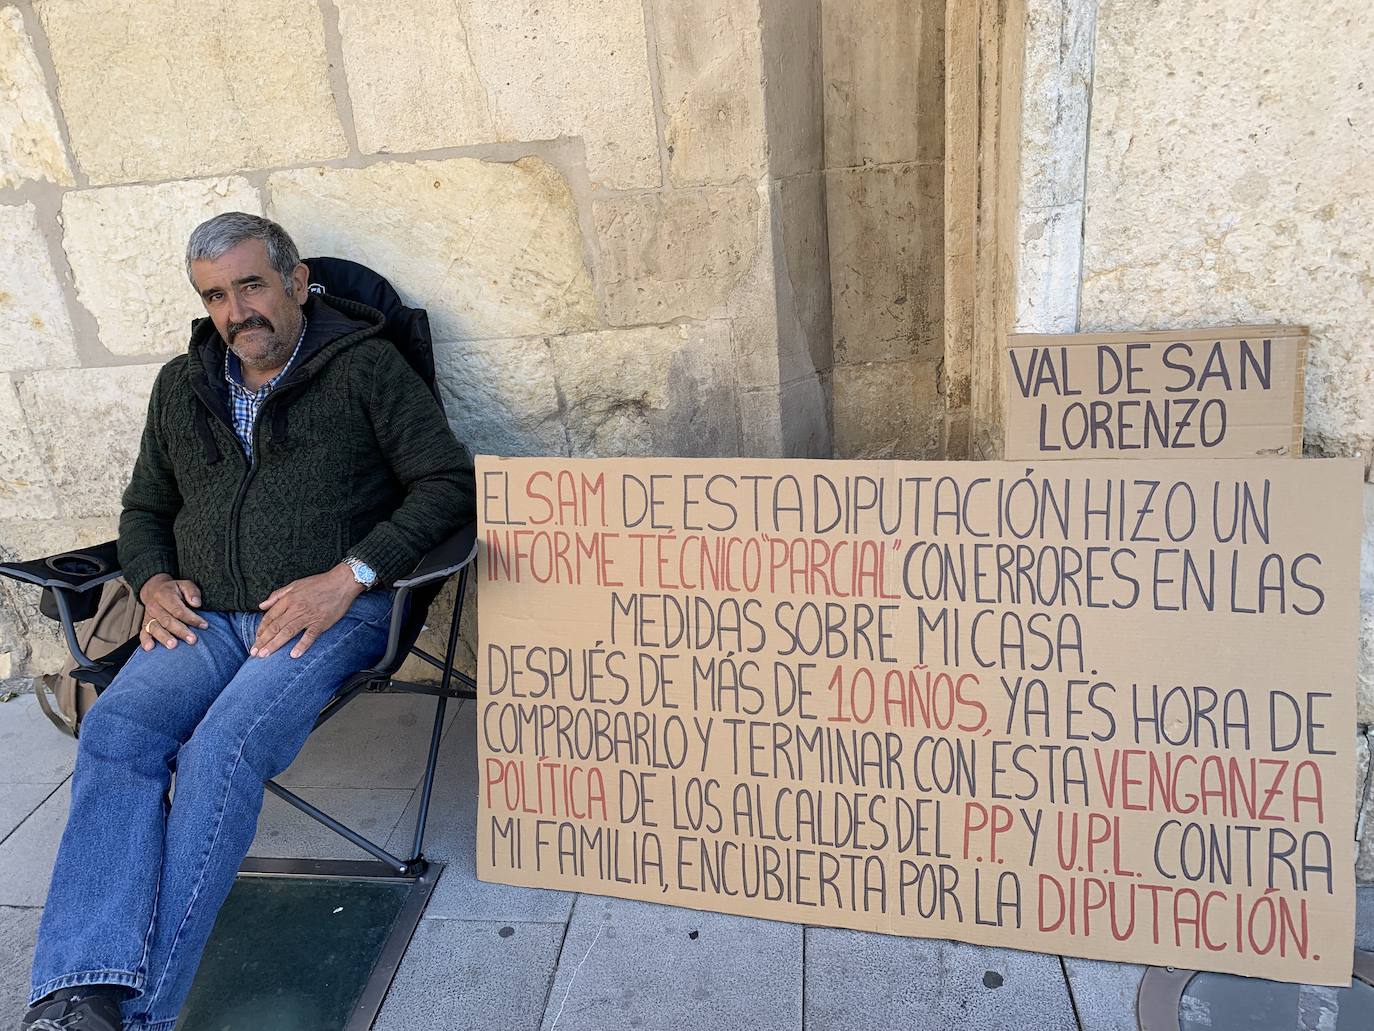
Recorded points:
499,958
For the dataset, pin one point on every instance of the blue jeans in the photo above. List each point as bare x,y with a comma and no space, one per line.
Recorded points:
137,885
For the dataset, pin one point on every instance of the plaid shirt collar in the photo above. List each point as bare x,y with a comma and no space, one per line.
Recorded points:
244,402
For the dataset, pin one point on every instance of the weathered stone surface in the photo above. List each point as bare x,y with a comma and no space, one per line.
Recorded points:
883,66
437,73
30,641
761,433
63,405
159,91
35,331
886,262
1364,680
1236,188
629,964
1364,800
1054,101
30,143
675,255
1050,247
501,397
654,390
804,339
491,249
25,490
711,83
857,980
127,246
887,410
805,407
794,103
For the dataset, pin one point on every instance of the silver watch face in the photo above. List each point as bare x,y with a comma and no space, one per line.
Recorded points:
362,572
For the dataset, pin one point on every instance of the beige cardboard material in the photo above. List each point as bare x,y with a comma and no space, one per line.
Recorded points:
1233,392
1100,710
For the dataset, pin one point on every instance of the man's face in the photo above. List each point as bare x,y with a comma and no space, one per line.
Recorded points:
256,315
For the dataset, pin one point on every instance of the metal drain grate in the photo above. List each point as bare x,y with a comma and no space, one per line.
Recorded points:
1187,1000
305,946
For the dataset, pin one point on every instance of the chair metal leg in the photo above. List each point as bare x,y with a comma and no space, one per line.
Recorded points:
416,864
417,853
401,866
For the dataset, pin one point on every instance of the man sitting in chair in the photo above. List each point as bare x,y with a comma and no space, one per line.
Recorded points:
291,468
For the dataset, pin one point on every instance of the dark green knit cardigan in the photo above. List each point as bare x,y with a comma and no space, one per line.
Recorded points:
352,456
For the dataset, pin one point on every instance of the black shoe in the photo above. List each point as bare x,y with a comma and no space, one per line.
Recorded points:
76,1009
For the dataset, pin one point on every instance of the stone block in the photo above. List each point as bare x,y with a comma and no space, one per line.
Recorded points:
30,142
501,397
1237,190
25,489
761,430
806,418
805,343
887,410
884,74
35,331
1055,102
127,249
886,238
921,984
18,936
424,74
794,98
66,408
628,964
675,255
463,975
17,801
711,84
191,89
1104,993
490,248
32,751
27,855
651,390
1050,248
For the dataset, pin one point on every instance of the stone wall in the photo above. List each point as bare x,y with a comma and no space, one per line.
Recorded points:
613,211
1188,163
884,178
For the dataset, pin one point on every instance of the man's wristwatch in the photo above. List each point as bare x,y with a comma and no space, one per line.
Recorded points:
362,572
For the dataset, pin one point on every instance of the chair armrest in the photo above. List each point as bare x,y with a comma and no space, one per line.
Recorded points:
444,559
80,569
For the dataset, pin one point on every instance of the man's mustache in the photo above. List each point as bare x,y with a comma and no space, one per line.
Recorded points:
252,322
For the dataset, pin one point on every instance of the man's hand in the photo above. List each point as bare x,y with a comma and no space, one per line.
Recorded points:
168,612
312,604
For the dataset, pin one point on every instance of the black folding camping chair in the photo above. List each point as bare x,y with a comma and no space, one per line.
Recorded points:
71,581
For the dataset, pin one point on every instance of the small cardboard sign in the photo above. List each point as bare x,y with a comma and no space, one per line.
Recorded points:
1101,709
1235,392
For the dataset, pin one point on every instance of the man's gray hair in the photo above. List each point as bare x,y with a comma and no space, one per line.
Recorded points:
212,238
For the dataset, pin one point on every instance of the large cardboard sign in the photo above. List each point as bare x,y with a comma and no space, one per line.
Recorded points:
1235,392
1096,708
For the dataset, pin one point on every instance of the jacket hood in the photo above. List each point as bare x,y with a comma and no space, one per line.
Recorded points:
332,326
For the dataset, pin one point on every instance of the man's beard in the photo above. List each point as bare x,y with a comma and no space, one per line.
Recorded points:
275,349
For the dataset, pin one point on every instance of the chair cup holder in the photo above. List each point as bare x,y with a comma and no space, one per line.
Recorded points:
76,563
81,604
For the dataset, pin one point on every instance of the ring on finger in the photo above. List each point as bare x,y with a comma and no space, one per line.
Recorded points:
148,624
